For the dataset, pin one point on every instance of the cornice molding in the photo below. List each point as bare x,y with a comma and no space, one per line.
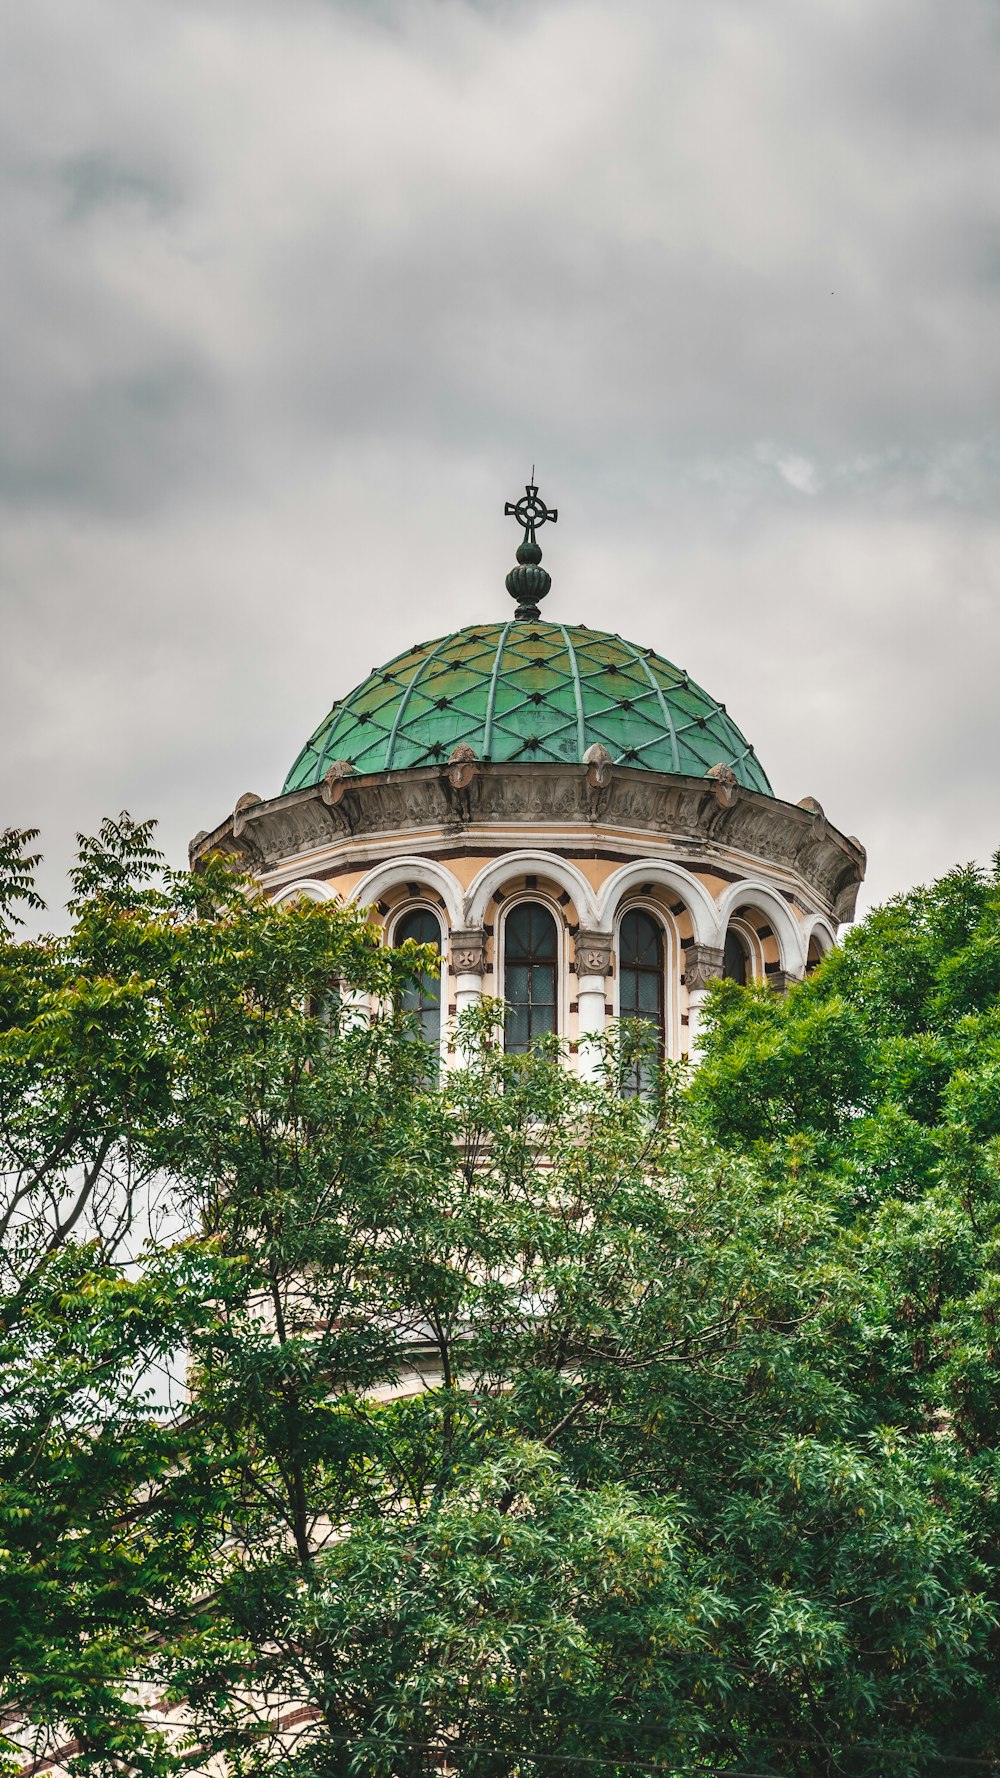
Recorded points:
264,835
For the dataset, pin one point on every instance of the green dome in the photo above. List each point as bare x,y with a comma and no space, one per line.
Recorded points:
529,692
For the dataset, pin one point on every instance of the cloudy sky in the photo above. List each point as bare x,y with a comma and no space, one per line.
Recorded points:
294,292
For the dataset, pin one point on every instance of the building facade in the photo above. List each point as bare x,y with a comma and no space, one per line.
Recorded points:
574,823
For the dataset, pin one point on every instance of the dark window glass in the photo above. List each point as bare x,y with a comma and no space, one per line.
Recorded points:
640,968
734,959
422,997
530,954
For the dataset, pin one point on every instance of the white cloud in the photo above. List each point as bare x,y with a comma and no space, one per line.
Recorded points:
798,472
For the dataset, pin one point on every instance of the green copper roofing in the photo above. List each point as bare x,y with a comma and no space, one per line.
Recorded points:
533,692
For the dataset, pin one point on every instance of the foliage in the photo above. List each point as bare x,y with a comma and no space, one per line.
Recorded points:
527,1425
627,1486
873,1087
109,1037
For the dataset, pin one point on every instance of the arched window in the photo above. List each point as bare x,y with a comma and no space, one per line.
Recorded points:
422,996
735,964
640,996
531,950
815,956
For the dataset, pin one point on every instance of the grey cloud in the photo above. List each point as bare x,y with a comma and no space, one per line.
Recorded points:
97,182
296,289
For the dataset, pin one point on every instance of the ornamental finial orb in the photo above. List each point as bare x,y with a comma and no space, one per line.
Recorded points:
529,582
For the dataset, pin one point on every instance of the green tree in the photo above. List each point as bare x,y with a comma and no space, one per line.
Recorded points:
636,1494
528,1425
873,1087
111,1038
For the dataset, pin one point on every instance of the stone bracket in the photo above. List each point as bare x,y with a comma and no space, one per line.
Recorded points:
335,798
461,784
599,771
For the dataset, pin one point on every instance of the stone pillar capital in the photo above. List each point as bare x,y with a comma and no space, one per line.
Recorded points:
467,950
593,952
781,980
702,964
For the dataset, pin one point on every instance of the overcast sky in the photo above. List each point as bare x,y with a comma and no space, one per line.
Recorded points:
294,292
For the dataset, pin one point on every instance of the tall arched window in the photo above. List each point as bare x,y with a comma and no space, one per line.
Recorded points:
735,964
531,950
422,996
640,996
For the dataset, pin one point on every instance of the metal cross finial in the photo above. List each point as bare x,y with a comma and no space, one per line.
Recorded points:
530,512
529,581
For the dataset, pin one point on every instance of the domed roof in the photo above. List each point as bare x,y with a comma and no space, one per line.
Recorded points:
530,692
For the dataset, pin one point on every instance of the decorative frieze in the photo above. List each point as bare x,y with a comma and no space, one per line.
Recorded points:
467,795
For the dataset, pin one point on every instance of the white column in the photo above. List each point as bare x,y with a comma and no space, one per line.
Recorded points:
356,1008
696,1000
467,965
468,989
593,962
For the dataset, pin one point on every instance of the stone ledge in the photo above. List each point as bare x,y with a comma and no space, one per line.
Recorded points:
264,835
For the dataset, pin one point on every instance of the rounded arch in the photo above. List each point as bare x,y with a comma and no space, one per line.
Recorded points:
702,909
749,892
411,870
819,938
748,946
420,904
525,864
304,889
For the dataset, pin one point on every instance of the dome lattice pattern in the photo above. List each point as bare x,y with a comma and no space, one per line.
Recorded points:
530,692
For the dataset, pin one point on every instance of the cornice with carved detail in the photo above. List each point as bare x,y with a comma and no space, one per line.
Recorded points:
426,803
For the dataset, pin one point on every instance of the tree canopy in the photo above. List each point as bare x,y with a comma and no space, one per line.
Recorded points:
521,1426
